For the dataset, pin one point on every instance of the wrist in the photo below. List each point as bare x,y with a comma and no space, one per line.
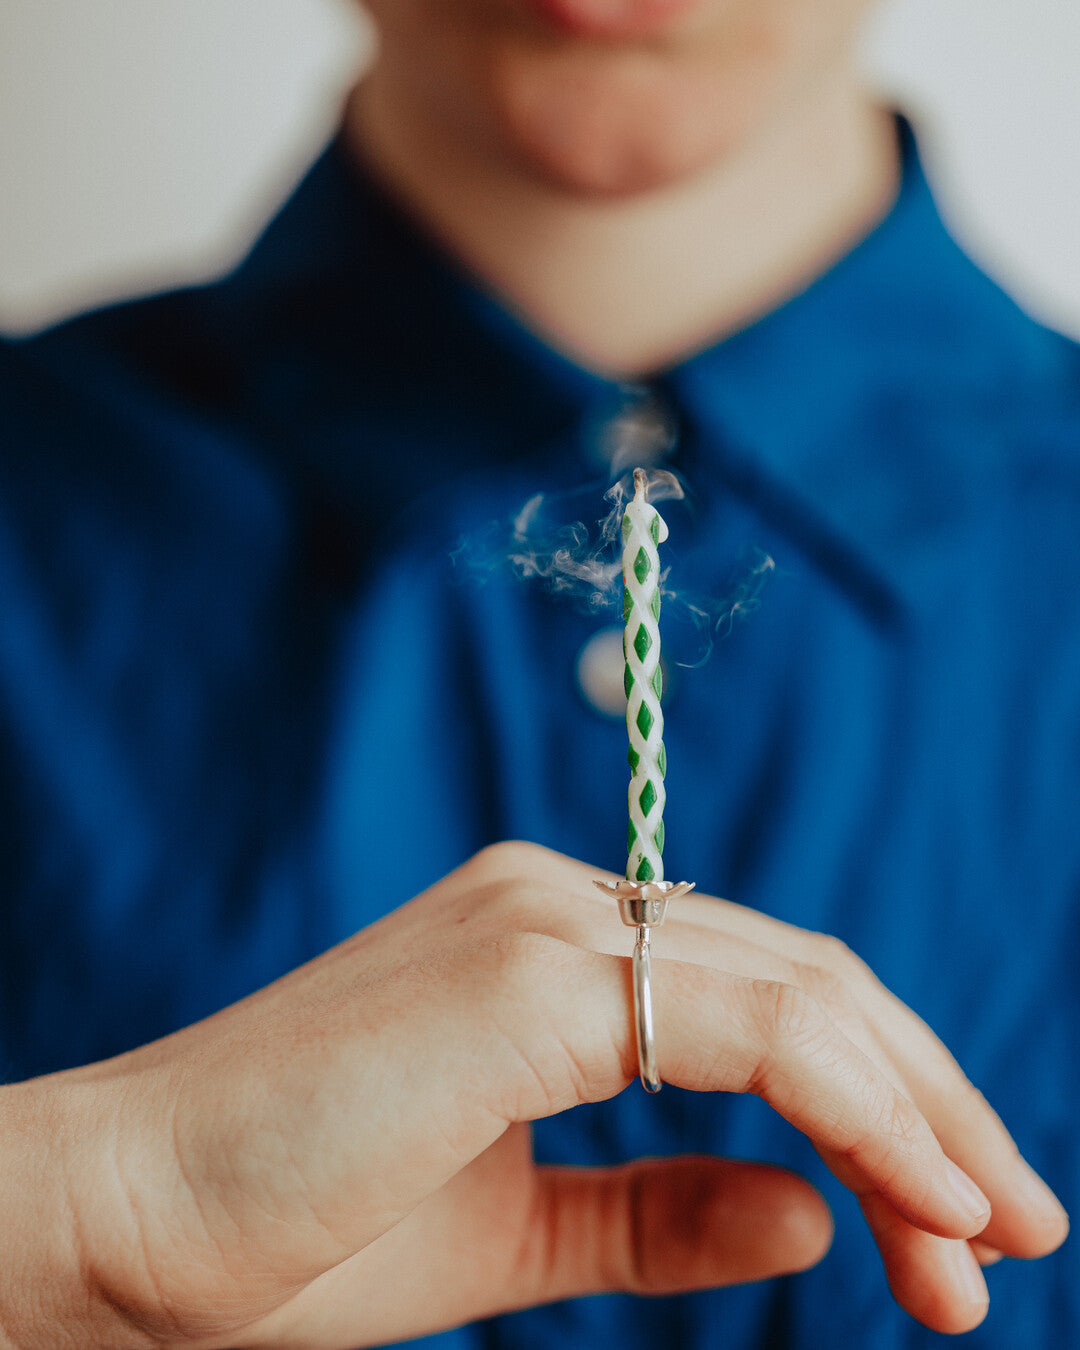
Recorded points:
56,1214
40,1281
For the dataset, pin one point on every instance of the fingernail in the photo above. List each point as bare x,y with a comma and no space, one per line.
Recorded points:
1038,1195
969,1195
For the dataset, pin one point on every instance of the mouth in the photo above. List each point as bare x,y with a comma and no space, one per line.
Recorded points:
611,19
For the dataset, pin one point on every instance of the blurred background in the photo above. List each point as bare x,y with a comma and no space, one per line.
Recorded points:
142,145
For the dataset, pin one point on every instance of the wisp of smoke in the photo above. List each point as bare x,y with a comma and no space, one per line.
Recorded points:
715,619
583,563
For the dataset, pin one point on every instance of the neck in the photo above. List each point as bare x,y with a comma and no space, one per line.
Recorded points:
627,287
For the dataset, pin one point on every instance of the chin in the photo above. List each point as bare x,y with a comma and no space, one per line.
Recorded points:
622,127
592,157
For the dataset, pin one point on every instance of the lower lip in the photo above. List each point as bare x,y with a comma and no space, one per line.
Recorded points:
611,19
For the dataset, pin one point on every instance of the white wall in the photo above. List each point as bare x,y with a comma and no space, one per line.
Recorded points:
998,85
143,143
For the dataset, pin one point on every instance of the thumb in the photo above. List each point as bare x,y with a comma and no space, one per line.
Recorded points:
668,1225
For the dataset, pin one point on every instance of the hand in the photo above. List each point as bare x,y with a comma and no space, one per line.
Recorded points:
343,1158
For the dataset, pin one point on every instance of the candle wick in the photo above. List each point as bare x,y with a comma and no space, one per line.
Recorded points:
641,485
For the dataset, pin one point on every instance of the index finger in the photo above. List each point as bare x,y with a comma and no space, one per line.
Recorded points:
722,1032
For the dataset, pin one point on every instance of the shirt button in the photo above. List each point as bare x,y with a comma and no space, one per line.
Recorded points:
600,673
600,670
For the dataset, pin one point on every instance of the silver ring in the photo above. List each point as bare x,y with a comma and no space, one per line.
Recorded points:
643,905
646,1047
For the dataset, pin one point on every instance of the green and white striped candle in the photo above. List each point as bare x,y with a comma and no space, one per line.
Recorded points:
643,531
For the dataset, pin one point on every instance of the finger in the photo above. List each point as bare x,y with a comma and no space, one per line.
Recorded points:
660,1226
937,1280
1027,1219
666,1226
931,1279
986,1256
721,1032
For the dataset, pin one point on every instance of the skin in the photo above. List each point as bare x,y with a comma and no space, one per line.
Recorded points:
343,1158
633,187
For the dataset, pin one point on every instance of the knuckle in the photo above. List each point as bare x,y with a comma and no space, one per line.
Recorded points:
507,859
965,1099
520,957
892,1122
969,1100
853,968
536,975
519,884
787,1012
833,953
548,1009
904,1123
889,1145
899,1152
828,988
836,996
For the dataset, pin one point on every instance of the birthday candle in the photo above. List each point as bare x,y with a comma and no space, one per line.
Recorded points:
642,531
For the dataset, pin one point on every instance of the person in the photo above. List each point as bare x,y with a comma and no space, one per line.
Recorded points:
279,1001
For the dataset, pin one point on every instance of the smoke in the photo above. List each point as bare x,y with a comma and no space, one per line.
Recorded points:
582,563
574,560
716,619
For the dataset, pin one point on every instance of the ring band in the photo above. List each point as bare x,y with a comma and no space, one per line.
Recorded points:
646,1047
643,905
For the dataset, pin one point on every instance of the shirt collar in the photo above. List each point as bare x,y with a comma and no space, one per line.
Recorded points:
864,412
346,282
854,414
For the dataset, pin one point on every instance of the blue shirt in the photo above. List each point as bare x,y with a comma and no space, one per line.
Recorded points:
248,702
